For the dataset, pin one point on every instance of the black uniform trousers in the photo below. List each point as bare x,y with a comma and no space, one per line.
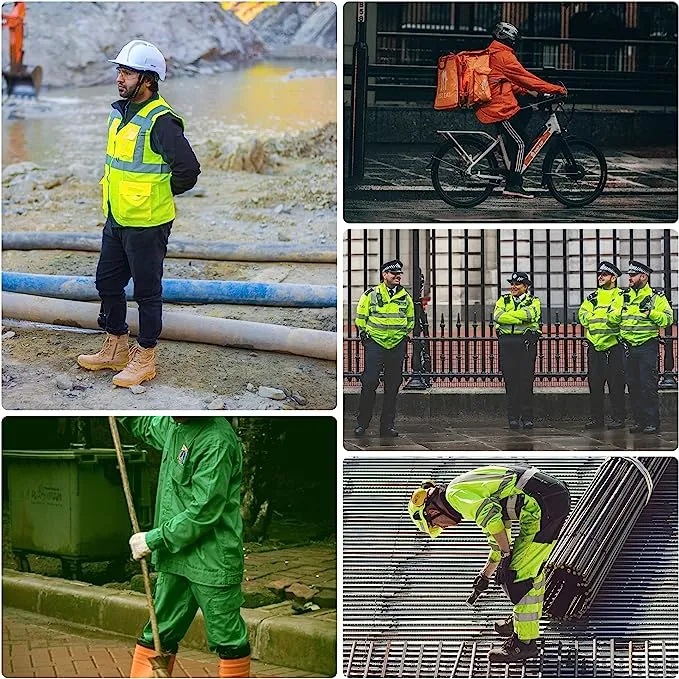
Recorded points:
376,358
606,367
641,370
137,253
517,362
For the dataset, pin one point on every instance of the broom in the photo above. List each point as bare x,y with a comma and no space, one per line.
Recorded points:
159,663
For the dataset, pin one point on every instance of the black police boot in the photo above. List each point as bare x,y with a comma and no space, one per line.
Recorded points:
388,433
650,429
514,424
636,428
528,424
594,424
616,424
505,628
360,430
513,650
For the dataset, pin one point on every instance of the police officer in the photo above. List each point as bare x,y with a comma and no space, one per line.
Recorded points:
384,316
517,321
196,544
640,312
605,354
494,497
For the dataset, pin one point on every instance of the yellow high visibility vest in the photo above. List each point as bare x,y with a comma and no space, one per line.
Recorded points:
136,181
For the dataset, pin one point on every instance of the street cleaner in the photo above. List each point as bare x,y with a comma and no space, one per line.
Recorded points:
196,544
148,161
493,497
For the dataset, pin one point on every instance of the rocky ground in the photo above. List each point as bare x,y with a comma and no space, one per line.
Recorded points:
291,199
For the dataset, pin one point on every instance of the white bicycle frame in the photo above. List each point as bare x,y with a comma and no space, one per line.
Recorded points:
552,127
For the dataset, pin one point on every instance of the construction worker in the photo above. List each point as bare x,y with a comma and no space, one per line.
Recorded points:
517,322
148,161
494,497
605,353
384,317
640,312
196,544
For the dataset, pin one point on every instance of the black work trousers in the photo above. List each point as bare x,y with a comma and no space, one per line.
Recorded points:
606,367
517,362
376,358
136,253
641,371
513,131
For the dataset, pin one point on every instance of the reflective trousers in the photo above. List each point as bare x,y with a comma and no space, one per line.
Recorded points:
177,600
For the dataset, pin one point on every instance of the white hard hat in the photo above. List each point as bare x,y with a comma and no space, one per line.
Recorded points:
141,56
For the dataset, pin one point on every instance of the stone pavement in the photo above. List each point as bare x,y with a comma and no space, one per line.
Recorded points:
493,435
39,646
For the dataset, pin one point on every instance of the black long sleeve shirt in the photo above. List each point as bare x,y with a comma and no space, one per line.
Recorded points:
168,140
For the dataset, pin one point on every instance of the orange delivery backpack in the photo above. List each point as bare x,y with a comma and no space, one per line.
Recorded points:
463,80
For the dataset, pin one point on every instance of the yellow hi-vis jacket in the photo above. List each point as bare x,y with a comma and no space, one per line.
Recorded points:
640,314
593,316
512,318
387,320
136,181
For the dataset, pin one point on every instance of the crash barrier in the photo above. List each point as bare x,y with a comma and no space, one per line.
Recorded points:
179,290
182,249
596,531
179,325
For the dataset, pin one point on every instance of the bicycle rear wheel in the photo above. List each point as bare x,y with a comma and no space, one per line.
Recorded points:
449,174
575,172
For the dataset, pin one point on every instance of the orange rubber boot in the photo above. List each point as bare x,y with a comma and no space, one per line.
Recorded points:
240,667
142,367
141,662
114,355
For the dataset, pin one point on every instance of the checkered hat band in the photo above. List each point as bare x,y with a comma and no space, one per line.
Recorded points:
607,269
633,268
392,267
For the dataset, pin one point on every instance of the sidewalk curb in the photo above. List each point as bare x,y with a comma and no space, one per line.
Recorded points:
306,642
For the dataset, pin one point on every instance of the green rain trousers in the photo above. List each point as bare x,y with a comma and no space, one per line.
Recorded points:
177,600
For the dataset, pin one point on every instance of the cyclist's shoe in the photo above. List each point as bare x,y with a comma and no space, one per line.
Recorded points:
517,192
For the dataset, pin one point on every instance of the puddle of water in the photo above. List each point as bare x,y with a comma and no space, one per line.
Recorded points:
69,125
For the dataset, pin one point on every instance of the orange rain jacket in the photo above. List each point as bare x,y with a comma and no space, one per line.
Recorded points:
508,78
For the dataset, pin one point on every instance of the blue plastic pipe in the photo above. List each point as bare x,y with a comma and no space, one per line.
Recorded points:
185,291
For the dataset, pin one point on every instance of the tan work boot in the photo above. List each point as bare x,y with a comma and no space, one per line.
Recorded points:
114,355
142,367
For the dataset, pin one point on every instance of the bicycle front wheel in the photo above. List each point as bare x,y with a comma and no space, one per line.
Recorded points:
453,179
575,172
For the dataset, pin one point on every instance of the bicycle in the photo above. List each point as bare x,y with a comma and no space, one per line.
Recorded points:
465,169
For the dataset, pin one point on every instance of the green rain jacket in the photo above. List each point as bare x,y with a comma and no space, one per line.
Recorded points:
628,312
512,318
387,320
488,496
593,316
198,530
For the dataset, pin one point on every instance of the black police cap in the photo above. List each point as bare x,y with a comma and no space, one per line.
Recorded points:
392,266
519,277
638,267
609,267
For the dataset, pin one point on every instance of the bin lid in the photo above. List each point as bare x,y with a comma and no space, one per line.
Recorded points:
79,455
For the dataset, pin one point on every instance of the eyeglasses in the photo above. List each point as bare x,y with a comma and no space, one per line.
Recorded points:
126,73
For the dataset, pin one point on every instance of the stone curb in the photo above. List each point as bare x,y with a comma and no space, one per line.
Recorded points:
306,642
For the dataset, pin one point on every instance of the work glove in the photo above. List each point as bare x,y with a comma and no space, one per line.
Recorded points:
481,583
138,546
364,337
502,576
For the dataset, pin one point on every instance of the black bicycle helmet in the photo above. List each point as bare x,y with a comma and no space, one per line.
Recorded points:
506,33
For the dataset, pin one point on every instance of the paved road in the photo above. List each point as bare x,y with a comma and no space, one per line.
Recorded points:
395,206
38,646
491,435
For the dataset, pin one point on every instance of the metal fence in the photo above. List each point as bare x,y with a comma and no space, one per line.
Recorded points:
463,273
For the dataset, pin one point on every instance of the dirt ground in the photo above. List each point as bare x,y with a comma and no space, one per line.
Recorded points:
295,202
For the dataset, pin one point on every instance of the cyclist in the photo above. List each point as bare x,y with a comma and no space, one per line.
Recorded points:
507,79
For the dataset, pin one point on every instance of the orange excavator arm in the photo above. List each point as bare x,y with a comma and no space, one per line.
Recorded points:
14,20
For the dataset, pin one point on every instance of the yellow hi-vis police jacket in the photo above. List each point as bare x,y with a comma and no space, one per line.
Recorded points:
640,314
517,318
136,181
387,320
593,316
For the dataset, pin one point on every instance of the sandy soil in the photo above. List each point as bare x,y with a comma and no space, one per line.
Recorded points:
295,203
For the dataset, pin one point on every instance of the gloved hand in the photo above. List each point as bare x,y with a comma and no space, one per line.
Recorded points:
138,546
502,576
481,583
364,337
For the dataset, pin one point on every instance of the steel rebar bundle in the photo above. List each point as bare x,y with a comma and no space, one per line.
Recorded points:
596,531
